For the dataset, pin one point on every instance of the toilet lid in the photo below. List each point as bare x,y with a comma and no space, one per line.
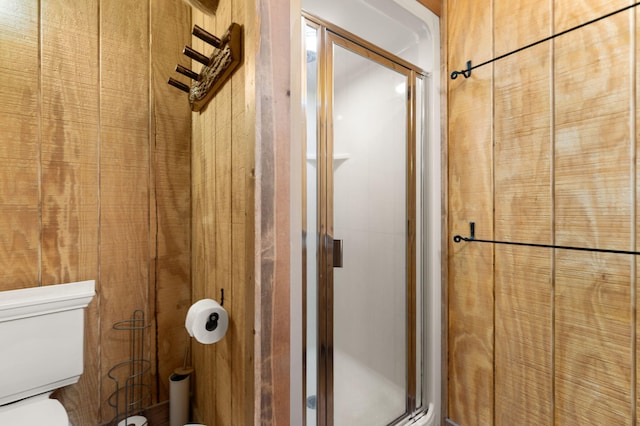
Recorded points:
40,412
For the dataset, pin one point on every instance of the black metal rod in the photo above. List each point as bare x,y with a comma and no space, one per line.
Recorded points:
472,239
467,72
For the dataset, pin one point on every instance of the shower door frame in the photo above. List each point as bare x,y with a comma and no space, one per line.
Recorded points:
330,35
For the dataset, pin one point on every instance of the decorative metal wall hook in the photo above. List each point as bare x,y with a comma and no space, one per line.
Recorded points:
217,68
466,73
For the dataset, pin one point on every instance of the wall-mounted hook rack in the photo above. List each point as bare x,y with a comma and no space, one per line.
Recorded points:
472,239
217,68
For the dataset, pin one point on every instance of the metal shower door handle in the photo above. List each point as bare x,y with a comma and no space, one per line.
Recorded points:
337,253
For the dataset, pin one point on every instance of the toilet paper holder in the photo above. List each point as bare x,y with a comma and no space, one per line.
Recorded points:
212,323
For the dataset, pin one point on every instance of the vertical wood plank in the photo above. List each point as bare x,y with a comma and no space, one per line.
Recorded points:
273,212
636,141
124,178
246,102
200,254
523,212
204,237
571,13
592,193
242,238
19,145
519,23
222,249
69,124
171,135
471,302
70,141
225,255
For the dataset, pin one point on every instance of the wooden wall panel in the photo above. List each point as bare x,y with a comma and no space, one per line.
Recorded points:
222,163
171,158
512,16
19,145
470,363
636,196
94,181
523,212
124,177
593,209
69,141
222,157
242,219
69,158
202,238
273,198
571,13
565,172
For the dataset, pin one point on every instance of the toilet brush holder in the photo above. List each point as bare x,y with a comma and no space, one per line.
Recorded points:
179,388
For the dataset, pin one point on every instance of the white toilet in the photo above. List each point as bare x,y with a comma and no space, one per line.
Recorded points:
41,350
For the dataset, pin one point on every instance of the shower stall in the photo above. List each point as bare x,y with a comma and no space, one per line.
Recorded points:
371,222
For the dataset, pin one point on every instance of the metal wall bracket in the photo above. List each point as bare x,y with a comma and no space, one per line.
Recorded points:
466,73
217,68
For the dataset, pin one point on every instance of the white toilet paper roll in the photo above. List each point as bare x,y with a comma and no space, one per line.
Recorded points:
207,321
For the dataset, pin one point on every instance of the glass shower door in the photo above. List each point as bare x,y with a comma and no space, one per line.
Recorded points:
368,225
362,310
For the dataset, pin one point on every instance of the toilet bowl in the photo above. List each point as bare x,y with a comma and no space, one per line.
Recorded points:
37,410
42,335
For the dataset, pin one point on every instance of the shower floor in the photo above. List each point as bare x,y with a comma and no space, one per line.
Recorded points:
365,397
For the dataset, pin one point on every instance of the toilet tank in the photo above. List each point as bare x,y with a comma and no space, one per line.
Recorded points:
41,338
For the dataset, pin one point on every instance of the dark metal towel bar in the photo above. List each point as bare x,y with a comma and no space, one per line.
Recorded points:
467,72
473,239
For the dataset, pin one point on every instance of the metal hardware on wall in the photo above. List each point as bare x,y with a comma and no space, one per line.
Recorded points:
467,72
472,239
217,68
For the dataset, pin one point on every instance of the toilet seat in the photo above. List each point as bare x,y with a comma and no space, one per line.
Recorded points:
34,412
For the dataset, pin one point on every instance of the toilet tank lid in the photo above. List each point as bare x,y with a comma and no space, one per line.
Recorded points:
27,302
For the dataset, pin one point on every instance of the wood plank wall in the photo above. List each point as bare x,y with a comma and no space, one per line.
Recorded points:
240,184
542,148
223,226
94,181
